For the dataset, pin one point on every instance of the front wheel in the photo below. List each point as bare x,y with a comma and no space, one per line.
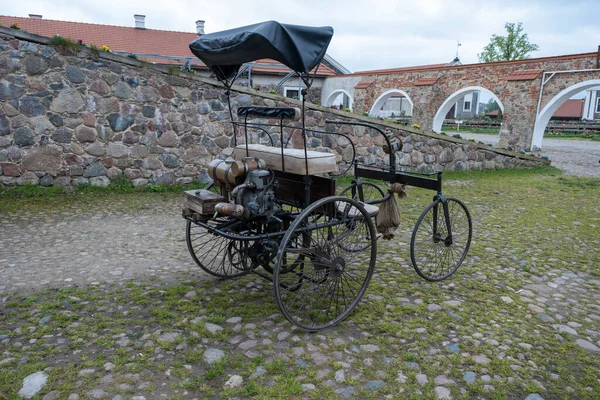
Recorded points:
324,263
435,254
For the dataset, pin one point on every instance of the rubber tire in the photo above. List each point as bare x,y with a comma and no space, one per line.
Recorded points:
219,242
452,204
280,273
347,191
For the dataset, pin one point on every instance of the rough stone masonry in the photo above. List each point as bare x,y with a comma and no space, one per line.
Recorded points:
69,119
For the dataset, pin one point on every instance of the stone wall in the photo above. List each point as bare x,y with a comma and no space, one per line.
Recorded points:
68,119
519,97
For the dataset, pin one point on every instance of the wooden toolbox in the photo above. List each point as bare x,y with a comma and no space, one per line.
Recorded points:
291,188
201,201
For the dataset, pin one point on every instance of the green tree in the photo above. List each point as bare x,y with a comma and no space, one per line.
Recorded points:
514,46
491,106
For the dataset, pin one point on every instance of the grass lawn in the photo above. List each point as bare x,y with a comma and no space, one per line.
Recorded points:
514,320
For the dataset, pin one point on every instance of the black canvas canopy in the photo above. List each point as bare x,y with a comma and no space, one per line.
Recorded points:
300,48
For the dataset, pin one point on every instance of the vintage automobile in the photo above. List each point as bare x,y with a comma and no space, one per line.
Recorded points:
273,209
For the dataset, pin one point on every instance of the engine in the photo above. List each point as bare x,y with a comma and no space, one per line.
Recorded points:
257,194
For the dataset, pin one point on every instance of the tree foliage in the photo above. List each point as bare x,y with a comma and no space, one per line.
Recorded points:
491,106
514,46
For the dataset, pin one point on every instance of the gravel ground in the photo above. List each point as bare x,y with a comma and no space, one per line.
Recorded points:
100,297
575,157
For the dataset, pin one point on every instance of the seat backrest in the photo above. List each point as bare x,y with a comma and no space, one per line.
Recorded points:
290,113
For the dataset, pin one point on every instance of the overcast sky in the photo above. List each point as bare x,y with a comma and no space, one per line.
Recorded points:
368,34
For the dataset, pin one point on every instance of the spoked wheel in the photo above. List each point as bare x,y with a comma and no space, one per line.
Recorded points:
270,247
434,255
324,263
370,190
237,252
217,255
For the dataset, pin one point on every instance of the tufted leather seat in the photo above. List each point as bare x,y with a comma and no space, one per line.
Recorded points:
318,162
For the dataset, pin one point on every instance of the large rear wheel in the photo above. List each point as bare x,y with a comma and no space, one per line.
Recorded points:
325,263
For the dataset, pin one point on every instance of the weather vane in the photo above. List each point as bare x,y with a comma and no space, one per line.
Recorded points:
458,44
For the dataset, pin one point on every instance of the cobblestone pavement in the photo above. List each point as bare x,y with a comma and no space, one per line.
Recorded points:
579,158
127,315
575,157
61,242
45,249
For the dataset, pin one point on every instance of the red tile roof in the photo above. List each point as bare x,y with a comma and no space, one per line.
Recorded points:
117,38
403,69
444,67
570,109
130,40
272,66
524,75
426,81
362,85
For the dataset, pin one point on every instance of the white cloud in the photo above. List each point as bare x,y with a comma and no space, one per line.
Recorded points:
369,35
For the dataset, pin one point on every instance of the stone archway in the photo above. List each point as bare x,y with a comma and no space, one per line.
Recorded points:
543,117
335,94
438,120
384,97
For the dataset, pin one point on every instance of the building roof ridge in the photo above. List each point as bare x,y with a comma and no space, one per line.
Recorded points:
440,67
96,24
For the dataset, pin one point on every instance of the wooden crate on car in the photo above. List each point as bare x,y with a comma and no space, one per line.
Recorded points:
200,203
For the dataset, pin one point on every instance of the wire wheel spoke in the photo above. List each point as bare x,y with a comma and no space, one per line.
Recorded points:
215,254
324,263
371,192
435,254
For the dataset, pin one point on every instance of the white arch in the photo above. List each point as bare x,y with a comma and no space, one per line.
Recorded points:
438,120
335,94
543,117
384,97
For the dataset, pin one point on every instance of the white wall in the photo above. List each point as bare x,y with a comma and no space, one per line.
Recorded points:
334,84
395,106
591,102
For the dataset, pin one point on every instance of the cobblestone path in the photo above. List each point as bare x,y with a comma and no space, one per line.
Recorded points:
99,296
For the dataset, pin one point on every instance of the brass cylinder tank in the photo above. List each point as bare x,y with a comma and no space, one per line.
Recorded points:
233,171
220,170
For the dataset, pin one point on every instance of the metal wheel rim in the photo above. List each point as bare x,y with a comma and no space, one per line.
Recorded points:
375,192
308,306
437,261
212,250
